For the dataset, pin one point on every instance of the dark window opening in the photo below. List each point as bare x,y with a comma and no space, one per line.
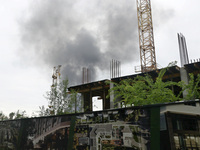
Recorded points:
185,124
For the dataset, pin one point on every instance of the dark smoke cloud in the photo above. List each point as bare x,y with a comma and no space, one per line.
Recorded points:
76,34
121,31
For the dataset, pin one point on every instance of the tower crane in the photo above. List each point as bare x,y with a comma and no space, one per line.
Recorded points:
55,82
146,38
56,75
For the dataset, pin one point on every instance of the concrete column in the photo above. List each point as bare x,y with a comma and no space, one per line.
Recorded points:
184,78
117,102
90,105
82,103
104,99
111,96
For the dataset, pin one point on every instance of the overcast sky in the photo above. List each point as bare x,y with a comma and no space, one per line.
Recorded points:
36,35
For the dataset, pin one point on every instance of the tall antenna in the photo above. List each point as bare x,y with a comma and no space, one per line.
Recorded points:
146,38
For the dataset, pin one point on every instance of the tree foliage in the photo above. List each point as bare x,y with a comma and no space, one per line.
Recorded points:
3,116
143,90
60,100
192,88
13,115
17,115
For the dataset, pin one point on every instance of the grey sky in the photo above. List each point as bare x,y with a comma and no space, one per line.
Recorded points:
38,35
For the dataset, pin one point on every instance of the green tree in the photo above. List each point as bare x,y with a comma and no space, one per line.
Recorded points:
60,100
192,88
58,97
43,111
17,115
11,115
3,116
75,102
143,90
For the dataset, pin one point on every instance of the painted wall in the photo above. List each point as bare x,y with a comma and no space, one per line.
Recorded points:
113,129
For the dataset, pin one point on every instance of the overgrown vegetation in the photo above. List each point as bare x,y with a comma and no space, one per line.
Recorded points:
143,90
61,101
192,88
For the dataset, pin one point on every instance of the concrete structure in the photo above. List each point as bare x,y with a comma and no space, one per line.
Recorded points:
179,126
101,88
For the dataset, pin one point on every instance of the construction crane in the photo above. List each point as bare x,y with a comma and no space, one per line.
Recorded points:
146,38
56,75
55,82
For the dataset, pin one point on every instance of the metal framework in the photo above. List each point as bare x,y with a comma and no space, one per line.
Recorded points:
86,76
146,38
56,75
115,69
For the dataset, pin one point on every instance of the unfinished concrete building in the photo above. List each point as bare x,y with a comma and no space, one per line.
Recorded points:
101,88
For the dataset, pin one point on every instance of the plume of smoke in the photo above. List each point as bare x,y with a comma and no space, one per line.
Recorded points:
80,34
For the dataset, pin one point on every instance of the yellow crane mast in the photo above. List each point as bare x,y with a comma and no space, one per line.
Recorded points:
146,38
